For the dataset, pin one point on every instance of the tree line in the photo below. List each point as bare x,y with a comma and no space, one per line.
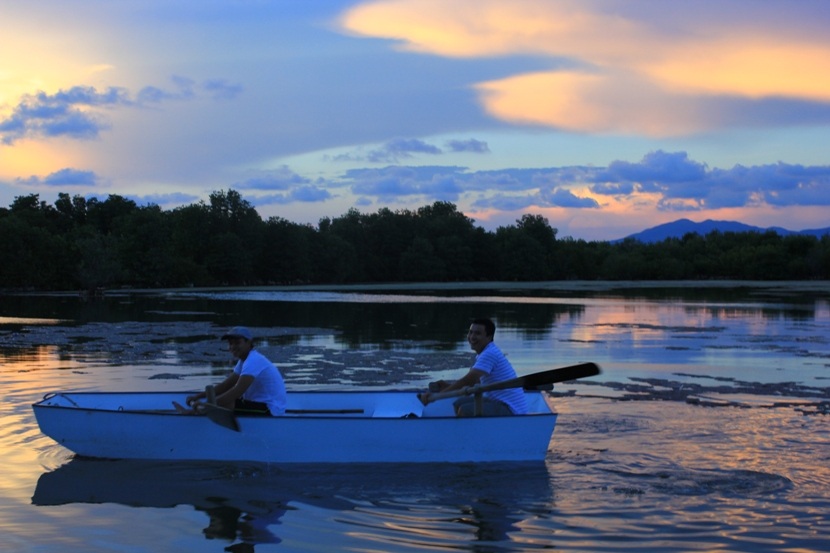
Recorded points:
88,244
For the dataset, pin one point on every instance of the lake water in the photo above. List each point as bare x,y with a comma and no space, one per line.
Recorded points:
708,430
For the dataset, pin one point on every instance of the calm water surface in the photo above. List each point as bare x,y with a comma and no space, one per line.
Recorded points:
707,431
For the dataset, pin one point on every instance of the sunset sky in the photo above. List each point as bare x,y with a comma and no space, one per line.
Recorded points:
605,116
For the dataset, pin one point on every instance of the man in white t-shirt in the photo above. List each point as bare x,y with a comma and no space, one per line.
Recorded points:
490,366
255,386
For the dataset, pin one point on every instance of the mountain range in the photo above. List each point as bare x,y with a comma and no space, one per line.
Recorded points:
677,229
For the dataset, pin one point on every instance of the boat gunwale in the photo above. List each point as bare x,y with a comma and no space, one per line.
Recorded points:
288,416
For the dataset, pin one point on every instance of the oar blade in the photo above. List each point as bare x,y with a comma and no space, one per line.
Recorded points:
221,416
564,374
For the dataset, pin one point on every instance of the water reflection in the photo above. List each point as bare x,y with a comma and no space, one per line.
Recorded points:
635,332
249,504
621,475
434,316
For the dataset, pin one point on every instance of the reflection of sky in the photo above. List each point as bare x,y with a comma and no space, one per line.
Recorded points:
26,321
348,297
599,464
657,339
764,341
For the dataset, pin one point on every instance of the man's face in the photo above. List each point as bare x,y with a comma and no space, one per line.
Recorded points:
477,337
239,347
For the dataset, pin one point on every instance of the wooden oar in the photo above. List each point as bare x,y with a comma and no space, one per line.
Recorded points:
528,381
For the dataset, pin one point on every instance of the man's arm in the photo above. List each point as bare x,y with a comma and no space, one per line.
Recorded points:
229,382
220,389
470,379
232,389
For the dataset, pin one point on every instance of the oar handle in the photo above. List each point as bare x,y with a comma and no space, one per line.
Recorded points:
465,391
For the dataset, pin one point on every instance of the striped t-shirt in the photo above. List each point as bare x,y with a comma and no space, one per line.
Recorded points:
493,362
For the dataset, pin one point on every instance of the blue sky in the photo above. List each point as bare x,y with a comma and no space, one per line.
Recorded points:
605,116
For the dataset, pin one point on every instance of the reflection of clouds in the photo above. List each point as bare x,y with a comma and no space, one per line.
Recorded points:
682,332
719,470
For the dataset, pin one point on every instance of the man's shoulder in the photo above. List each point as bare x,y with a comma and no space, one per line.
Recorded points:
492,349
256,358
490,356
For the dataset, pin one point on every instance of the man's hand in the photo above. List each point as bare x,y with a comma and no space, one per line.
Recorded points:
438,386
191,399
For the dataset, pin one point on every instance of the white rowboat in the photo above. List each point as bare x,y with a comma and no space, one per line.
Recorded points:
319,427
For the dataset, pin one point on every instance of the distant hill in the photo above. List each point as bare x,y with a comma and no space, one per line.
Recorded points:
677,229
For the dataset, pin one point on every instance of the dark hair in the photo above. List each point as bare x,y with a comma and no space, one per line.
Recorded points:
489,326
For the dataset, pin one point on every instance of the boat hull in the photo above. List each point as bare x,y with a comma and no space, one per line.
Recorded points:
321,427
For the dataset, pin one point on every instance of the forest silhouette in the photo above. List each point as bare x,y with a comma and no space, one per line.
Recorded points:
89,244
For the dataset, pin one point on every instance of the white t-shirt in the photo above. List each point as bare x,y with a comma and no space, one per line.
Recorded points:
268,386
493,362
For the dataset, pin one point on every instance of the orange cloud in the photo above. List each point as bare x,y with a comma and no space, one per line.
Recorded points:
477,28
749,68
633,77
583,102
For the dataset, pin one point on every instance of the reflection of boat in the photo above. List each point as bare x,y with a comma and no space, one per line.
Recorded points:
319,427
249,501
233,509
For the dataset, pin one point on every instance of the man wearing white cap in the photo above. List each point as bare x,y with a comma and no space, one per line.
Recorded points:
255,386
